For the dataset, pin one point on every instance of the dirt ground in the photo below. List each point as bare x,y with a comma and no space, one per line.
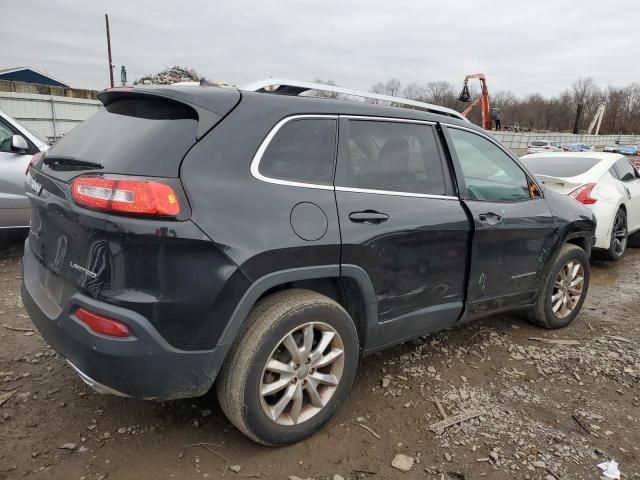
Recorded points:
542,410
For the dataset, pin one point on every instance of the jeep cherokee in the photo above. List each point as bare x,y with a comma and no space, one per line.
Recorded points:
185,236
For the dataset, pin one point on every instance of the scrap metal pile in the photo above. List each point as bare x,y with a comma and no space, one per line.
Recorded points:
170,75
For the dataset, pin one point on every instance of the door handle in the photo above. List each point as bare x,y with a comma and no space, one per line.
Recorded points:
490,218
370,217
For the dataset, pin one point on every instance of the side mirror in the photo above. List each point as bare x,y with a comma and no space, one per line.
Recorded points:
19,144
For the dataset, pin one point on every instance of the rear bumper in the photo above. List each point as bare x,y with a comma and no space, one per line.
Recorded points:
143,365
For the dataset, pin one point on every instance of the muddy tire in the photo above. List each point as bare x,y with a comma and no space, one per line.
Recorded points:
290,369
564,291
619,239
634,240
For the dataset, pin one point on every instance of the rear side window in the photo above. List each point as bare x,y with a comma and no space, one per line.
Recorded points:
394,157
302,150
560,166
626,172
137,136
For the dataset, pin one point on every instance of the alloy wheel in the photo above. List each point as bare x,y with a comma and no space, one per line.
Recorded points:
619,234
302,373
567,289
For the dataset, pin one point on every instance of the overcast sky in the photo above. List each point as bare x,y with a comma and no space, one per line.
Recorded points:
535,46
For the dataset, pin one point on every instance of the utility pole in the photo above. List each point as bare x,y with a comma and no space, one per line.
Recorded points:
106,19
576,125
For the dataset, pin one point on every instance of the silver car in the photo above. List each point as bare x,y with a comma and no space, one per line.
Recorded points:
17,146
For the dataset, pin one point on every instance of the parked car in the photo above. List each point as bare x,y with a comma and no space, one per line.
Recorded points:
612,149
17,146
629,150
266,241
607,183
537,146
578,147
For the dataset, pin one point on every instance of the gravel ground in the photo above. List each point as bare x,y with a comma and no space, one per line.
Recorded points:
540,405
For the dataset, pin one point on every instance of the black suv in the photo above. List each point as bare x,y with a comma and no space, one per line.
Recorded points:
183,236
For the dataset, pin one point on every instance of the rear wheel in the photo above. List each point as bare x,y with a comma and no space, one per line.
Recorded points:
619,238
291,369
564,292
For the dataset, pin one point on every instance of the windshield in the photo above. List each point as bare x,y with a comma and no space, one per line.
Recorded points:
539,143
559,166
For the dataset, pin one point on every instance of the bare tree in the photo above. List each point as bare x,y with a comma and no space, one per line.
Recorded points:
539,113
439,93
414,91
392,87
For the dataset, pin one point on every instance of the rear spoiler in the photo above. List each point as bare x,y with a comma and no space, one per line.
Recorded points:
563,182
210,104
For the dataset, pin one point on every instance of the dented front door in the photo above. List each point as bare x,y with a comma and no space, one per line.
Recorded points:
511,245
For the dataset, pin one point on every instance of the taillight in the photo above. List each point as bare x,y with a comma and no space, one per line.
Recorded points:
34,159
143,197
583,194
101,324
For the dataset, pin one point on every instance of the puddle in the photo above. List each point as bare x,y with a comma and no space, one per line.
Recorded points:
604,273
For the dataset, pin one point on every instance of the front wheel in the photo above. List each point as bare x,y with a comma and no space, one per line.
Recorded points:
565,290
291,369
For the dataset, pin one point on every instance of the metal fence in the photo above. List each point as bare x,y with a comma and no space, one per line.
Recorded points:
49,115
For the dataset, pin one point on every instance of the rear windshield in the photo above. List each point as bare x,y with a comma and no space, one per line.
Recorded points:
559,166
135,136
538,143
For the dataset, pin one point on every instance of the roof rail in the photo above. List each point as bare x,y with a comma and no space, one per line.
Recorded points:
284,86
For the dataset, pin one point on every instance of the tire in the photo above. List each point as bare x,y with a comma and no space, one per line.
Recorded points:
543,313
244,376
619,238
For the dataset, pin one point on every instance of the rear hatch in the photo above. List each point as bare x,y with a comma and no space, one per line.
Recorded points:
137,140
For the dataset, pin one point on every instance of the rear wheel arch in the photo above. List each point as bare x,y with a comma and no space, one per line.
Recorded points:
343,290
352,290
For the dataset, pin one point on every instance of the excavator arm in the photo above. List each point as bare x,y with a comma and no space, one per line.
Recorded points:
483,100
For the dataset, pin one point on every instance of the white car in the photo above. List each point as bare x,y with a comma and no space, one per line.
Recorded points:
17,147
607,183
540,146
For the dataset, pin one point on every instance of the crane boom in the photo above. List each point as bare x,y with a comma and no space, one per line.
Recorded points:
597,119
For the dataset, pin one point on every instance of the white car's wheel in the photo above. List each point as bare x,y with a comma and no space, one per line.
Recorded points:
619,237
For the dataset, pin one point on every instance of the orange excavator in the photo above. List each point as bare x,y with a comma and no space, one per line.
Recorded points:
483,99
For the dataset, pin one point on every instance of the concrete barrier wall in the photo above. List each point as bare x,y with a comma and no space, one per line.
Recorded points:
518,141
51,116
